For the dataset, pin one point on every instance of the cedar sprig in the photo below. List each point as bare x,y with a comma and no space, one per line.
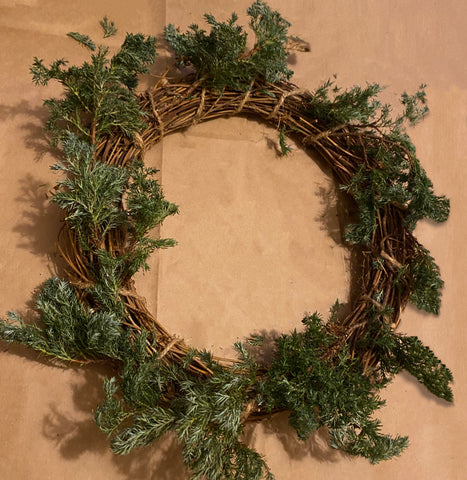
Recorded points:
67,330
98,95
333,393
220,58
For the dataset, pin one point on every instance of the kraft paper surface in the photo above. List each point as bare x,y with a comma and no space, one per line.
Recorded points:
260,236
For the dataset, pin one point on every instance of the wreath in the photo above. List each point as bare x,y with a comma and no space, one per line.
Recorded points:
325,374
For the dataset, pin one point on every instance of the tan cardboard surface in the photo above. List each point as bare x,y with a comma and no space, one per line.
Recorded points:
259,240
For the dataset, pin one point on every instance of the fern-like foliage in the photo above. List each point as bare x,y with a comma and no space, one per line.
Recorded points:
401,352
91,195
68,330
108,26
420,361
397,178
319,393
391,176
220,57
145,201
427,282
98,95
205,413
333,107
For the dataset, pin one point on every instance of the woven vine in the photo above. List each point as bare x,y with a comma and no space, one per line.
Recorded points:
175,107
326,374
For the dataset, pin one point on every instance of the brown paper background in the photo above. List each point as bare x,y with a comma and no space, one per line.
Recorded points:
259,240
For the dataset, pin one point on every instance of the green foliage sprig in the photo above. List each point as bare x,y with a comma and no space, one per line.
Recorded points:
91,195
401,352
98,95
68,330
90,192
394,177
205,414
322,392
398,179
220,58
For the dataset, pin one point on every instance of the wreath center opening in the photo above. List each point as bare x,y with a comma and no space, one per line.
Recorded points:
258,235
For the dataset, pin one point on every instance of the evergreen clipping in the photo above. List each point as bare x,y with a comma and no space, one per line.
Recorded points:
326,374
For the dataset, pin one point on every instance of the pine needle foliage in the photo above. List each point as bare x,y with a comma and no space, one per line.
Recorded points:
401,352
322,392
152,398
98,95
284,146
91,195
391,176
85,40
90,192
220,58
145,203
398,179
323,375
334,107
108,26
427,282
68,330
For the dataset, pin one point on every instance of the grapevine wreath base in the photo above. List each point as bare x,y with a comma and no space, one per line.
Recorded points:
324,374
